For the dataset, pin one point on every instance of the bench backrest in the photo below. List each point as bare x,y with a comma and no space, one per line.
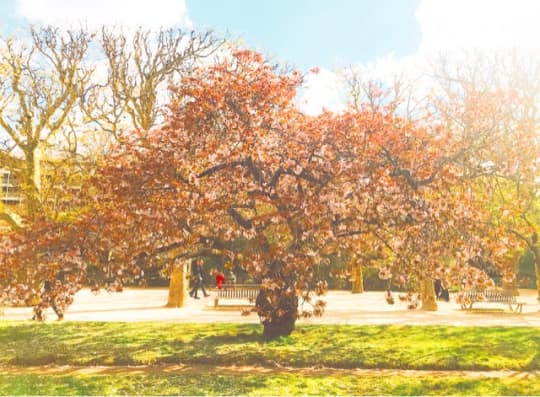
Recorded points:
239,291
492,295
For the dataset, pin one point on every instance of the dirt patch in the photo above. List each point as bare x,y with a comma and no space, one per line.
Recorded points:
246,369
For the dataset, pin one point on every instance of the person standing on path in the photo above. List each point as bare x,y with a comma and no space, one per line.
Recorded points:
198,280
232,277
220,279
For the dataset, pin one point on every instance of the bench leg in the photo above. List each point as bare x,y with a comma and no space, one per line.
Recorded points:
517,308
216,300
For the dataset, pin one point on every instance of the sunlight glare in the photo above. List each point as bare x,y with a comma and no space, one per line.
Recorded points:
479,24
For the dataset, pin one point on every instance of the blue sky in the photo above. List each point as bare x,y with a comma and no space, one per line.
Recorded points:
385,37
310,33
307,33
304,33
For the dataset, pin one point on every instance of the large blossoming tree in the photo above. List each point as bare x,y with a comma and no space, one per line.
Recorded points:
238,169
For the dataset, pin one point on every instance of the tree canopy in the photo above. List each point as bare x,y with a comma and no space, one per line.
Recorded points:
237,169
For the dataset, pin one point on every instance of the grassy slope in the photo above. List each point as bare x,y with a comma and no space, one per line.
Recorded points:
403,347
399,347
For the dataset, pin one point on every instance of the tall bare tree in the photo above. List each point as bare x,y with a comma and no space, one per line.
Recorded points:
139,66
490,103
44,79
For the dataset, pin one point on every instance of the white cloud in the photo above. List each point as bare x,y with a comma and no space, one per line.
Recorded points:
389,68
322,90
329,90
453,25
94,13
448,27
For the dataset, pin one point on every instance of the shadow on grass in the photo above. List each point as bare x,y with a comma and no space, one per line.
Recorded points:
334,346
534,364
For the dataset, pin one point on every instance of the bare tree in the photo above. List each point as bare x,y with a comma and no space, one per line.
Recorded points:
139,67
489,102
399,93
43,81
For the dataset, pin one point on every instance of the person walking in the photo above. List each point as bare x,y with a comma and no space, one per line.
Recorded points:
49,297
198,279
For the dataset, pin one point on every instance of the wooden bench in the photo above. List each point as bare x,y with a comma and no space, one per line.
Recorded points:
507,297
247,292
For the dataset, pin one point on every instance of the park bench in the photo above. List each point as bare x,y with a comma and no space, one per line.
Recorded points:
246,292
503,296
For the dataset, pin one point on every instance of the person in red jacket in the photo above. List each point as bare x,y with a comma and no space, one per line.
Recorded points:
220,279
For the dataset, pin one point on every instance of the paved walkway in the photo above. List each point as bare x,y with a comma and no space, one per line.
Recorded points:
137,304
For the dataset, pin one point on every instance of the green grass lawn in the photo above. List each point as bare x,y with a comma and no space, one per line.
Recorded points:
24,344
259,384
404,347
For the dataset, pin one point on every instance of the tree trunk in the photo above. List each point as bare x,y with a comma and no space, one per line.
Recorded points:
537,272
178,286
31,183
536,255
429,302
357,279
277,311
